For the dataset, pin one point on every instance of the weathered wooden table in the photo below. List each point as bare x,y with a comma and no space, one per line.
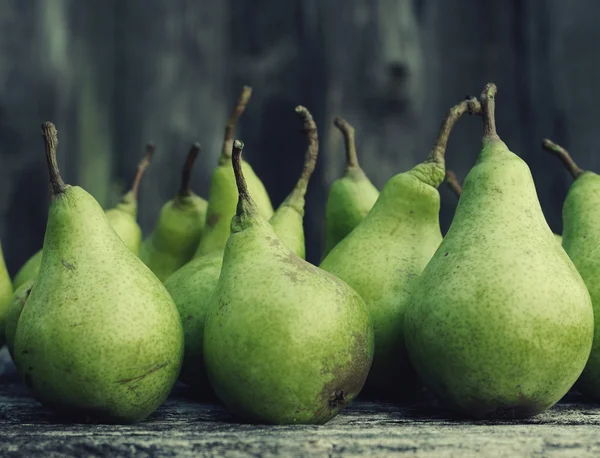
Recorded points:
184,427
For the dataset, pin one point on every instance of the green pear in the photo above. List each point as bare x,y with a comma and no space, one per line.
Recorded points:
177,233
123,219
351,197
455,186
500,323
382,258
13,313
6,292
285,342
191,287
581,236
222,199
99,338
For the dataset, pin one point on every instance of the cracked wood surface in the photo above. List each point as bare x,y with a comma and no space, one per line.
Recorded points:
187,427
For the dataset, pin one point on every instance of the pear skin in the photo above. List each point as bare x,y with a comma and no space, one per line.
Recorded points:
222,199
99,338
500,323
122,217
351,197
285,342
191,287
6,292
13,313
180,224
383,257
581,236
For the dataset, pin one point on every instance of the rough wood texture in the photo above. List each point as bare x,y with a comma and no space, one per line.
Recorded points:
185,427
113,75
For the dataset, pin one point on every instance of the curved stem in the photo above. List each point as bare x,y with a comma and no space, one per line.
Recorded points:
141,168
232,121
470,105
236,160
452,182
312,151
186,173
348,132
488,107
50,135
564,156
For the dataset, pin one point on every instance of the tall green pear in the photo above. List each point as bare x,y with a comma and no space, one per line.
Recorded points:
581,241
191,287
99,338
500,323
285,342
6,292
222,199
13,312
384,255
351,197
180,223
122,217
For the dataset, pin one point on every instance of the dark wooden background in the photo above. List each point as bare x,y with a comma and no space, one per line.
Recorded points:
117,73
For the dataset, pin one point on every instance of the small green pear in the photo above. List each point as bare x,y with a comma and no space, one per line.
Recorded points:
191,287
180,223
351,197
6,292
13,313
383,257
222,199
500,323
581,240
285,342
123,219
99,338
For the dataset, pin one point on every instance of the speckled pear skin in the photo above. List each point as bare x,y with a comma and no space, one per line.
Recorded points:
500,323
6,292
123,219
222,203
559,238
382,259
581,239
14,312
285,342
99,338
176,236
192,286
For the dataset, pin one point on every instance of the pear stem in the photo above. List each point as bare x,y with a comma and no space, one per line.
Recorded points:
452,182
564,156
470,105
50,136
488,104
231,123
348,132
312,151
236,160
141,168
186,173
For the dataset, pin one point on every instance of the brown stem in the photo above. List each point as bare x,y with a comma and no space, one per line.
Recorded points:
57,185
564,156
186,173
348,132
141,168
233,119
470,105
236,160
312,151
488,106
452,182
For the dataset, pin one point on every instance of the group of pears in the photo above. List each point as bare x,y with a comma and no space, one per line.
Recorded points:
495,318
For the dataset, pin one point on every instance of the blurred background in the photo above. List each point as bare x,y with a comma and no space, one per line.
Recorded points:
114,74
